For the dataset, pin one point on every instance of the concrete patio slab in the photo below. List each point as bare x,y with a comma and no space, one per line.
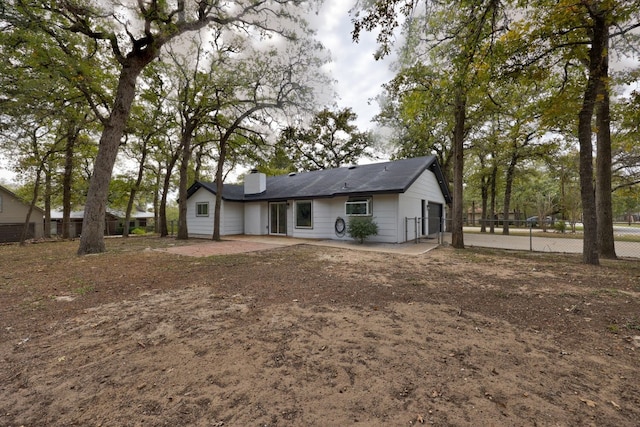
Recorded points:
242,244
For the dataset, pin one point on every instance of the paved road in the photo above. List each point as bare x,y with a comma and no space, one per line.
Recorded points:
620,229
539,243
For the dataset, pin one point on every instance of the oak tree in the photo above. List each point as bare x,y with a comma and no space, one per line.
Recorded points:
135,33
331,140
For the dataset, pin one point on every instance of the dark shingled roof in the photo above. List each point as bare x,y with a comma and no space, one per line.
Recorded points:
376,178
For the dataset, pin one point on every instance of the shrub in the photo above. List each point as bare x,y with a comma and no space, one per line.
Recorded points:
561,226
138,231
361,227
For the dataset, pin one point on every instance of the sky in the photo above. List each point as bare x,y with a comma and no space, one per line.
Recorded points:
358,75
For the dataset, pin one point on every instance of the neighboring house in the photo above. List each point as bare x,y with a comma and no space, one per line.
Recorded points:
114,221
13,213
406,198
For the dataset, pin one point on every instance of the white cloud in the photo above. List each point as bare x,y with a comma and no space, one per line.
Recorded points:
6,176
359,76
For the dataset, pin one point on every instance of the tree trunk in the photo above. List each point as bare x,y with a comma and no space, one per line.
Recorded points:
563,192
219,187
484,195
156,200
67,177
198,163
484,202
492,209
47,201
187,134
134,190
457,237
92,239
508,186
127,214
589,219
604,209
162,212
162,216
34,199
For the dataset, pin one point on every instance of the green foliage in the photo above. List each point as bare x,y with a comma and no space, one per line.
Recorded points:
119,190
330,141
48,80
361,227
522,71
278,164
560,226
138,231
625,147
545,206
415,105
172,211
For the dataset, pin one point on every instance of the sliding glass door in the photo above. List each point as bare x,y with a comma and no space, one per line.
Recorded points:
278,218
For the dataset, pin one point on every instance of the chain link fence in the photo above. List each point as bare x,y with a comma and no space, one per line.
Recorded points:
552,236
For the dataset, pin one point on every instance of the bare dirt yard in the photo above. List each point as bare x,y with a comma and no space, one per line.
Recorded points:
315,336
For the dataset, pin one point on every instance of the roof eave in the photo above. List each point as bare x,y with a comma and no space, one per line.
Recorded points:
442,182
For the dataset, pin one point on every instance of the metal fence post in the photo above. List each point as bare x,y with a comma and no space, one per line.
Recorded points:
531,236
406,229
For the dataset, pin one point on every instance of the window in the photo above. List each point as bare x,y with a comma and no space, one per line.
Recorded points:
358,206
304,214
202,209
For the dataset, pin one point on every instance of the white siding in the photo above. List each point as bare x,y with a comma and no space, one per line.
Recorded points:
385,214
326,211
425,188
336,209
322,221
201,226
290,218
264,218
233,214
256,217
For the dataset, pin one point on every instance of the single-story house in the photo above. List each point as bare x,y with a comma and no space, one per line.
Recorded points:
114,220
406,198
13,213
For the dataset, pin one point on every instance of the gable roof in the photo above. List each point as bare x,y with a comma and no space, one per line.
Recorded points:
376,178
14,196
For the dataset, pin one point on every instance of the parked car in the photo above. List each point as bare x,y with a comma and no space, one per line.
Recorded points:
534,222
